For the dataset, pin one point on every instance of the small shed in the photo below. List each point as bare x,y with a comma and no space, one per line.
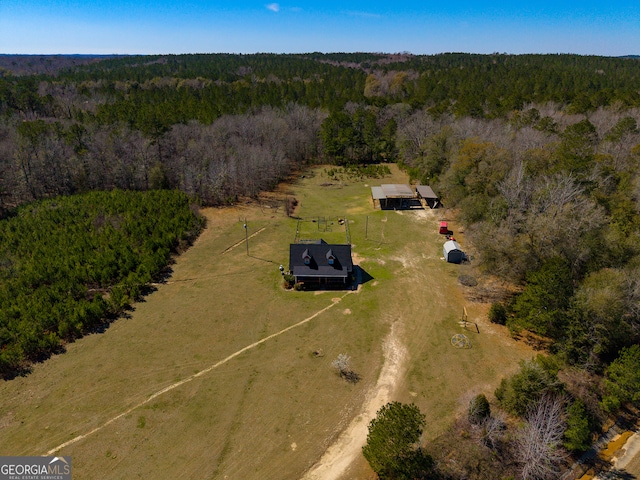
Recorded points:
426,193
452,252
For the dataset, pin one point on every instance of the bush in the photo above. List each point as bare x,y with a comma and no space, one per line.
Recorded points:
289,280
498,314
343,365
479,409
519,392
577,436
467,280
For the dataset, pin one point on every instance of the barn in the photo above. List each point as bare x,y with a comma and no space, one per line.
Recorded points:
393,196
452,252
426,193
321,263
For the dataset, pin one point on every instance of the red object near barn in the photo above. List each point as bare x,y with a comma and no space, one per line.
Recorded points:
444,228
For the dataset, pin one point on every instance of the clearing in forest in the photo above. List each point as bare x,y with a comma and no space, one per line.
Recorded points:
222,373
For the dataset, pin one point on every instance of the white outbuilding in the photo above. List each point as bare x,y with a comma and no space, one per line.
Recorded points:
452,252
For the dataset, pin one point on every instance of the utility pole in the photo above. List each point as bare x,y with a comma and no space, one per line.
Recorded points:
246,235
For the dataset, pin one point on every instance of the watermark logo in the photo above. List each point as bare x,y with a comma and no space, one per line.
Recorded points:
35,468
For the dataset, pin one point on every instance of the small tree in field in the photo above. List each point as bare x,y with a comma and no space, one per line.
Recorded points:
392,448
343,365
479,409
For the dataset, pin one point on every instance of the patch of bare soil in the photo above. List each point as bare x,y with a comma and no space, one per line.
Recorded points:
627,451
348,447
357,259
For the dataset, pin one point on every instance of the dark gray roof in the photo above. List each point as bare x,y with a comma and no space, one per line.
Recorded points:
320,255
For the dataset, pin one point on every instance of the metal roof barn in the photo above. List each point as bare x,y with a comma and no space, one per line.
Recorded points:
377,193
426,192
397,190
392,195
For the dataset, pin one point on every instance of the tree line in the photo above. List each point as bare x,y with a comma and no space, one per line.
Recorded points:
120,122
551,202
553,211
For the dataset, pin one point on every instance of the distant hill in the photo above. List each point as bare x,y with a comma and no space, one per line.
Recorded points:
44,64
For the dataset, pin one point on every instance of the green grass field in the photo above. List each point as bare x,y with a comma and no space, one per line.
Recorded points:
270,411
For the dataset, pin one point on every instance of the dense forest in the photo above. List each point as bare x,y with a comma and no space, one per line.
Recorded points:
538,154
68,264
201,122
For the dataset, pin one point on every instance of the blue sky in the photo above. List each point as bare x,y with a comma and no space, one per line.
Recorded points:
605,27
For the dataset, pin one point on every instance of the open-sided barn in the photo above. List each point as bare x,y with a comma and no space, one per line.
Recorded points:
426,193
392,195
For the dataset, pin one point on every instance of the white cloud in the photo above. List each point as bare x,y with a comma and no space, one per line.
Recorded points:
274,7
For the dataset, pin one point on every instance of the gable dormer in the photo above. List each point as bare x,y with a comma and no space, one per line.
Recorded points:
331,259
306,257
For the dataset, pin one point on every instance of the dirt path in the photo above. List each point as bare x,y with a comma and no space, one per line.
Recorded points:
628,454
348,447
175,385
243,240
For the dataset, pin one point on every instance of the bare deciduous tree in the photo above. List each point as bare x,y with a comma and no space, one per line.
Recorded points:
343,365
492,429
539,442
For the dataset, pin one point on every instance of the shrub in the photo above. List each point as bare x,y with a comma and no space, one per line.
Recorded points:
289,280
467,280
479,409
518,393
577,436
343,365
498,314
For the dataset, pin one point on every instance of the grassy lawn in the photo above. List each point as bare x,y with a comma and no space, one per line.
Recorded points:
271,411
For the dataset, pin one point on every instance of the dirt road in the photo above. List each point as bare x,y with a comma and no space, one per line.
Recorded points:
349,445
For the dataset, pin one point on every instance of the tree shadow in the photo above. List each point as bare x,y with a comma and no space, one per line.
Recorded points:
164,275
616,474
